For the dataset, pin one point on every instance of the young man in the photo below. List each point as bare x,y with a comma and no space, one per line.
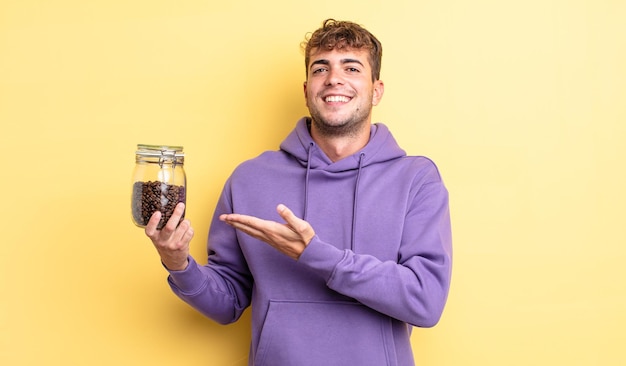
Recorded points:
339,240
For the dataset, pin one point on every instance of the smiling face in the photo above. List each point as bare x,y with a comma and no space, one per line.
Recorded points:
340,92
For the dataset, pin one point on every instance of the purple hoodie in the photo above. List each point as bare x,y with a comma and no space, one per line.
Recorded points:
379,264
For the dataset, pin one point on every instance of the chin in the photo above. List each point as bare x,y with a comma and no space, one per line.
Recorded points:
337,127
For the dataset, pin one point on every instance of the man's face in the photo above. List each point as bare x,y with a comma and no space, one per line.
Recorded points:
339,90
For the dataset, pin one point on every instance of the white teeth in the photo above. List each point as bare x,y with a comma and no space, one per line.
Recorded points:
337,98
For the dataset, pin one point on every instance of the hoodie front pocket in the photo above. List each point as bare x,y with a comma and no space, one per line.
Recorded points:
324,333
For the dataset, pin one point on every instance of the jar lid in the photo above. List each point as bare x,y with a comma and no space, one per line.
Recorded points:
158,150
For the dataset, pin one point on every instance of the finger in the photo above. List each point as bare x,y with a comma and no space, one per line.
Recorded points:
174,220
250,225
246,220
183,235
179,230
188,235
289,217
248,229
151,227
298,225
228,218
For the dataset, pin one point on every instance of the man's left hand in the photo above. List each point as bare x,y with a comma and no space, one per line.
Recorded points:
290,238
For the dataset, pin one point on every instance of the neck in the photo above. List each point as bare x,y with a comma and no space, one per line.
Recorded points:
339,147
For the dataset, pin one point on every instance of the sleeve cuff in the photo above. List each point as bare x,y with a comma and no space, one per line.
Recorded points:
321,257
187,280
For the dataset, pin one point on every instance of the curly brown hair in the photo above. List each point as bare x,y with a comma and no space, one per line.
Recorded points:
344,34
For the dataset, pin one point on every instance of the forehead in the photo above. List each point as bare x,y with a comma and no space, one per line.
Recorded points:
339,54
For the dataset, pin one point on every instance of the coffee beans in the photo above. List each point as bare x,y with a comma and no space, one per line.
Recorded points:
149,197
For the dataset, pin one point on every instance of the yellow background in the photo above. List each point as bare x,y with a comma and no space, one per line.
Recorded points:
522,104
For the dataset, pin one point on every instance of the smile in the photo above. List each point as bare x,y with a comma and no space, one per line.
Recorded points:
336,98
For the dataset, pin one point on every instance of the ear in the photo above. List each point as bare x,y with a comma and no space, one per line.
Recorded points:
304,89
379,90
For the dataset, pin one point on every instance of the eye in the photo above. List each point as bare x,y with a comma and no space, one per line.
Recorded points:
353,69
318,70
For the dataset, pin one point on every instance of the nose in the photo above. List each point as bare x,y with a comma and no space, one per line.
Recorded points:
334,77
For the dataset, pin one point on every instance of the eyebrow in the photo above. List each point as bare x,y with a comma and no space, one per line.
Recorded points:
343,61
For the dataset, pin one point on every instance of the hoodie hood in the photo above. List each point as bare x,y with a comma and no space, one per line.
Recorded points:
381,147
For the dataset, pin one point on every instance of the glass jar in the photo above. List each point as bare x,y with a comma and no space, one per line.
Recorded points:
159,183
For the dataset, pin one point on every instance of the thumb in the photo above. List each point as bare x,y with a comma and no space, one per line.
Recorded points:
286,214
298,225
292,220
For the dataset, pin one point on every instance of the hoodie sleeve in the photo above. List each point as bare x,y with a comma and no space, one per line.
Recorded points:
415,288
222,289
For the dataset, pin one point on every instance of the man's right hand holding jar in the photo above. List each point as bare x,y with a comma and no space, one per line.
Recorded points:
172,241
